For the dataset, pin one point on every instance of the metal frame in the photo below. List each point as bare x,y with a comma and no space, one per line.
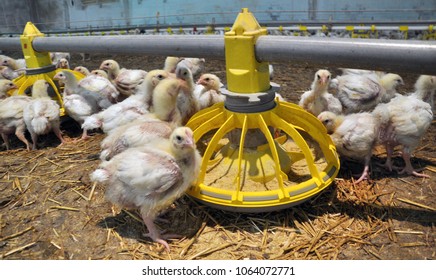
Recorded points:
388,55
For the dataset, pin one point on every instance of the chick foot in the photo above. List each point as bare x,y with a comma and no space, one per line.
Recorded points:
154,233
364,176
408,169
411,171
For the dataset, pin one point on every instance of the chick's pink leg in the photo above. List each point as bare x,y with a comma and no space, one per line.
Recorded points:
19,132
389,152
365,173
409,168
58,133
154,233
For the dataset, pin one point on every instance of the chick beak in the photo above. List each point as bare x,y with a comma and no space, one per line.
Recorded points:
189,143
14,87
323,81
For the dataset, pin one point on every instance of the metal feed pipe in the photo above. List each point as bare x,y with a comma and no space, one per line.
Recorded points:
388,55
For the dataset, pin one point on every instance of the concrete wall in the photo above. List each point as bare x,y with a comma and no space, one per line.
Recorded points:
53,15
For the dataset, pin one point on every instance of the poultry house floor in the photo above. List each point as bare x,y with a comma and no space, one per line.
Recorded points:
49,209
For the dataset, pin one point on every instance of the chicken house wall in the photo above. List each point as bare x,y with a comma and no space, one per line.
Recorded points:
63,15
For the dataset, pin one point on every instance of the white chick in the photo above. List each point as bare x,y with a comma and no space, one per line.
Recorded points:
129,109
404,120
76,105
57,56
5,86
100,73
151,177
11,118
187,104
41,115
390,82
426,86
354,136
14,64
210,93
112,68
158,124
99,92
359,93
317,99
10,74
127,81
136,134
352,71
195,65
171,63
83,70
63,63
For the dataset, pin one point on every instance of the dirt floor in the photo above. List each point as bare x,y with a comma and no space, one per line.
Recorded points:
49,209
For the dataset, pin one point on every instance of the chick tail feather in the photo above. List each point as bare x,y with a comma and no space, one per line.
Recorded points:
100,175
39,124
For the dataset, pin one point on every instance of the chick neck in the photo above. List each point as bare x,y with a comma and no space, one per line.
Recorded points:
113,72
422,94
71,83
424,87
318,88
164,106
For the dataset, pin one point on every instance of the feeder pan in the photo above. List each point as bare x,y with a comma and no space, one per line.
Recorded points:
39,67
259,154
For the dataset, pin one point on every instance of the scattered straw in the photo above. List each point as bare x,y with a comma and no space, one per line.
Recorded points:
92,191
52,162
18,249
408,232
192,241
407,182
65,208
210,251
16,234
55,201
80,194
431,169
416,204
412,244
56,245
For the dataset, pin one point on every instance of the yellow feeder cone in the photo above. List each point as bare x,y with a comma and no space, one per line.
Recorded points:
259,154
38,66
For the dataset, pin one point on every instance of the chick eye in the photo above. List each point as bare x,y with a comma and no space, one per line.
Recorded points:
207,79
318,77
160,77
179,138
328,77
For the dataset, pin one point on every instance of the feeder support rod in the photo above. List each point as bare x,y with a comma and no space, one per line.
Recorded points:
387,55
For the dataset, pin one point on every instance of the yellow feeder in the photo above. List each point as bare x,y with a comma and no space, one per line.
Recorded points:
38,66
259,154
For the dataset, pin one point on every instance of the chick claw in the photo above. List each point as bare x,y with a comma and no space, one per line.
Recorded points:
413,172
